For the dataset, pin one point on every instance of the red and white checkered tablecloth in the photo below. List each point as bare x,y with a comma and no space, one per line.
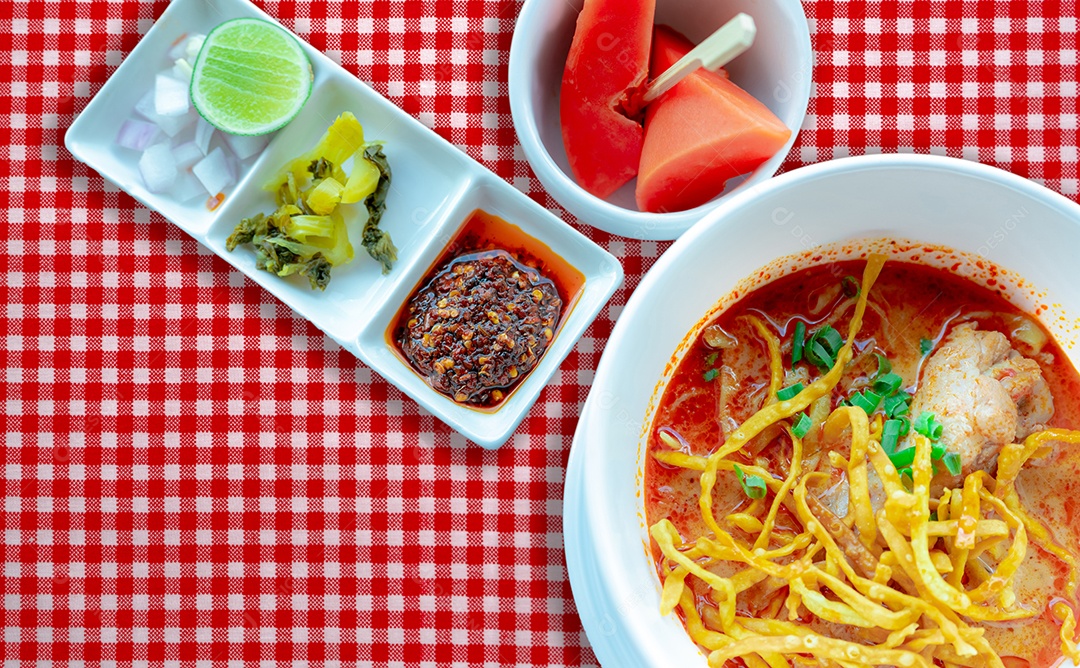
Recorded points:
195,476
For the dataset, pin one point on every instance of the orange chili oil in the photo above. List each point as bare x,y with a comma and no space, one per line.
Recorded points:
486,313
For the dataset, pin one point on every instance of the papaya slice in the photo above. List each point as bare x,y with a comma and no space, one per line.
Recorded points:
699,134
608,62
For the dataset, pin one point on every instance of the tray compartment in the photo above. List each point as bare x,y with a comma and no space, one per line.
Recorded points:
428,177
490,428
91,138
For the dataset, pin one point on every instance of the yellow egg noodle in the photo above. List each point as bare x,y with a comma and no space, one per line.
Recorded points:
898,570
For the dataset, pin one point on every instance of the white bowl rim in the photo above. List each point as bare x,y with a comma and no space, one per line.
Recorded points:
610,217
580,499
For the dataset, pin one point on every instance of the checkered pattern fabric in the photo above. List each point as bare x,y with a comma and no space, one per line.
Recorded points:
194,476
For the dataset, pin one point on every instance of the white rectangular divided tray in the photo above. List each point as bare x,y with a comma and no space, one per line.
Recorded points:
434,188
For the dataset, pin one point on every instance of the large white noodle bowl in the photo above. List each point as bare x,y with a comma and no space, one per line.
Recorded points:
981,212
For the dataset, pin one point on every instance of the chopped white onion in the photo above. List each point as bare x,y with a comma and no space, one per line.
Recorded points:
170,96
193,46
215,172
188,188
182,70
204,132
137,135
187,155
184,136
183,166
179,48
174,125
145,106
245,147
158,168
187,46
170,125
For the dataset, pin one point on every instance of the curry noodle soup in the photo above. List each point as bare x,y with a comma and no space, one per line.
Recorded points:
854,468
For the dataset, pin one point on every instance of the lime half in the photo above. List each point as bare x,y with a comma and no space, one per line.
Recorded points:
251,77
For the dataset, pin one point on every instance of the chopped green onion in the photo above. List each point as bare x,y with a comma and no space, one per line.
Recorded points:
797,341
833,340
922,423
802,425
850,285
933,516
897,405
752,485
711,374
888,384
952,463
929,427
936,429
711,359
819,355
884,366
902,458
890,435
937,451
905,425
866,400
822,346
789,392
926,346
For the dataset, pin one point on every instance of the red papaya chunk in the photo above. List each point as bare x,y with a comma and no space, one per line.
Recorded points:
608,61
699,134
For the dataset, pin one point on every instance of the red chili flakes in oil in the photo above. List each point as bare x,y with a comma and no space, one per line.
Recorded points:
479,325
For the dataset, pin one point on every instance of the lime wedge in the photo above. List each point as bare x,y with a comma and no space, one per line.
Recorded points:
251,77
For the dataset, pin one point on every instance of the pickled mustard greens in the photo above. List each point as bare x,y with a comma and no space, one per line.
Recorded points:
289,242
377,241
307,234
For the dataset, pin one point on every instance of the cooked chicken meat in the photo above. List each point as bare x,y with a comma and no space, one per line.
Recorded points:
984,393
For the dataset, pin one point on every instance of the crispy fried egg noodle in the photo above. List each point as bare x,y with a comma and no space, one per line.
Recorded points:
898,568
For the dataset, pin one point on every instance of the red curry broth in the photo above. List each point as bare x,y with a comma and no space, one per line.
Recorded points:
908,303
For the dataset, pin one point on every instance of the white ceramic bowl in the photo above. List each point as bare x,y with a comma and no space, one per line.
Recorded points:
776,70
983,213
